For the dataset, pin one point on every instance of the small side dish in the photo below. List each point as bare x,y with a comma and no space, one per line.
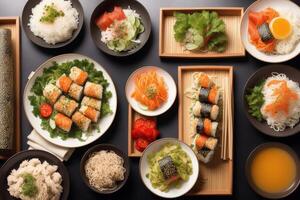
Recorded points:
204,114
144,132
70,98
106,175
200,31
276,100
54,20
34,179
169,167
120,29
272,170
274,31
150,90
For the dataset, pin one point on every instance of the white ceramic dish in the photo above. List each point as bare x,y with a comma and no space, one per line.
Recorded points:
169,81
173,192
104,123
260,5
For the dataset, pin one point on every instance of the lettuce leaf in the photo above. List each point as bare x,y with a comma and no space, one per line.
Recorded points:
200,30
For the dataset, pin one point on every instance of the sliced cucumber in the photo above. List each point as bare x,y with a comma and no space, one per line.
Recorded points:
143,107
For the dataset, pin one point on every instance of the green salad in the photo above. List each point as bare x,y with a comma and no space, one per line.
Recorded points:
123,29
255,100
50,75
181,161
200,31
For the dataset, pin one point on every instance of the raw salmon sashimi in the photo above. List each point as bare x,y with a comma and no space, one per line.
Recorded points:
256,19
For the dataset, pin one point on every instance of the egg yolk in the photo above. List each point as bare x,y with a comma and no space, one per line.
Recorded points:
280,28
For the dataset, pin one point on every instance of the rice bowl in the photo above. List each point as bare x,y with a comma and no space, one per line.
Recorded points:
58,30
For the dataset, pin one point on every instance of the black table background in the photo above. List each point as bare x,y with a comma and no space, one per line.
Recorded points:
245,136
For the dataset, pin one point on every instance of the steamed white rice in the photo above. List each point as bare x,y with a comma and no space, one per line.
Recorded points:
48,180
288,45
62,28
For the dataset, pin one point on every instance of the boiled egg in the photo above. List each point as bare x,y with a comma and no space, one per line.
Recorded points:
280,28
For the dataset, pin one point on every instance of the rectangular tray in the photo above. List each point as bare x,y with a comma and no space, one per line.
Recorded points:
132,116
13,23
232,17
215,178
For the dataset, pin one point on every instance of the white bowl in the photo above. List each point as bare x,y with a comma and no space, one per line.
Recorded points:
104,123
169,81
260,5
185,186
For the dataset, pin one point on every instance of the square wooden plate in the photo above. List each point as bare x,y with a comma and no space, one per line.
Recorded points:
132,116
13,23
168,47
215,178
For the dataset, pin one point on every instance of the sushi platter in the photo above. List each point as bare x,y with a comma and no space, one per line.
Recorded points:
218,173
13,24
175,99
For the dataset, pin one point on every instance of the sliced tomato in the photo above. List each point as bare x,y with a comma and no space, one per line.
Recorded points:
45,110
117,14
141,144
104,21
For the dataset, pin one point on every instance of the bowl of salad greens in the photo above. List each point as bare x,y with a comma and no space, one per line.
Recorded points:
49,126
120,28
254,99
169,168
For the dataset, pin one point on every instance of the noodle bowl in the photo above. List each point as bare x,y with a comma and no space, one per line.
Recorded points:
281,108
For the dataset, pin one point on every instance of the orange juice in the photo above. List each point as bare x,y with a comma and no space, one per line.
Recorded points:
273,170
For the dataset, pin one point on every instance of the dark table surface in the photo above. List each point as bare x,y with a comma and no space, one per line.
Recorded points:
245,136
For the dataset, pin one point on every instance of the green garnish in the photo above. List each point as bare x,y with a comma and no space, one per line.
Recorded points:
151,91
29,187
51,13
255,100
200,30
51,74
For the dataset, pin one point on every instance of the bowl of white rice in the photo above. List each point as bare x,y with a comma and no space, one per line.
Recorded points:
104,168
34,174
52,23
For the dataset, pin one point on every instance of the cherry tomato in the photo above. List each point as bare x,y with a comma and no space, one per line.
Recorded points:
45,110
141,144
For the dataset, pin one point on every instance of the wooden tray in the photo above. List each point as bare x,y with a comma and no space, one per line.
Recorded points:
13,24
132,116
215,178
168,47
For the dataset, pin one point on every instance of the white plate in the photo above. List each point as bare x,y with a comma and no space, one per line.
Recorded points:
172,91
104,123
259,6
185,186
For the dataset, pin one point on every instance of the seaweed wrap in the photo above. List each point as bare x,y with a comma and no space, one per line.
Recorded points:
7,100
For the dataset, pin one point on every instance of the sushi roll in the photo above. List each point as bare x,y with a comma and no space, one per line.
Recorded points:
205,110
63,122
204,153
75,91
81,121
51,92
65,105
64,83
90,113
209,95
93,90
203,80
168,169
78,76
203,141
206,126
91,102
